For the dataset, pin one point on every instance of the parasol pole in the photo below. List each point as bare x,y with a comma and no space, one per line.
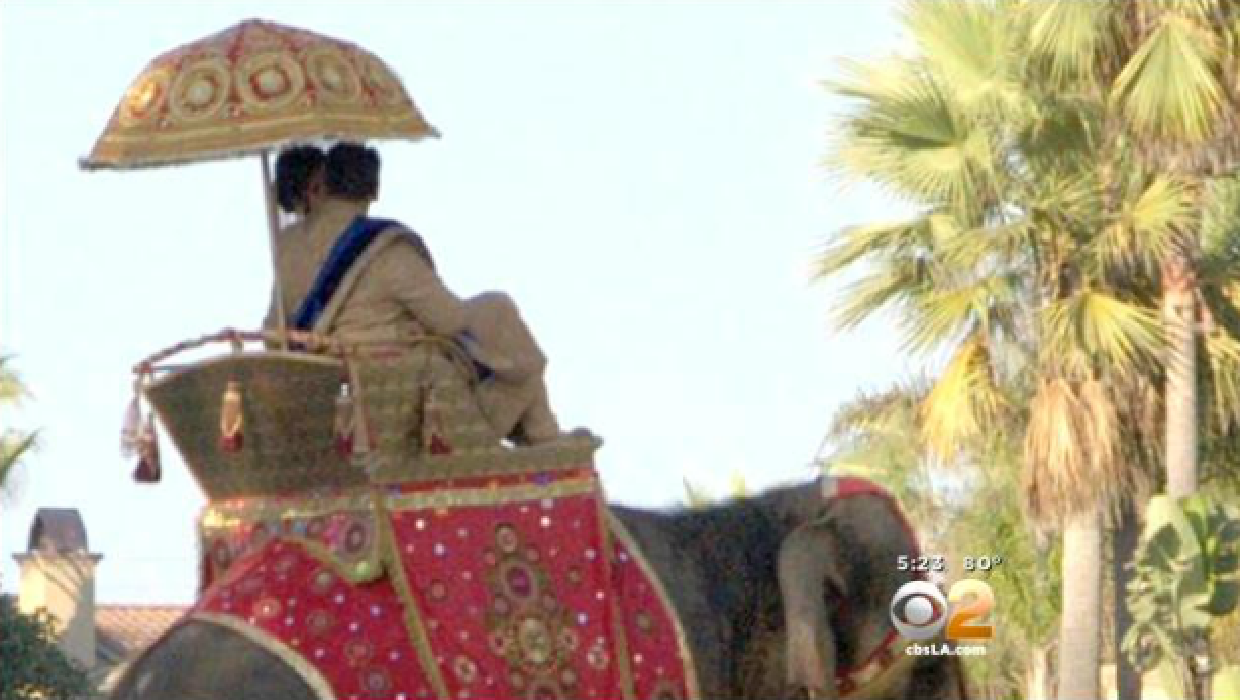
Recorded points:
273,226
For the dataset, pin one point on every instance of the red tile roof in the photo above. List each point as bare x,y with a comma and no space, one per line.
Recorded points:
127,629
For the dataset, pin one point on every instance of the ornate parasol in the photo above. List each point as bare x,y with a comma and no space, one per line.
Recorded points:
251,89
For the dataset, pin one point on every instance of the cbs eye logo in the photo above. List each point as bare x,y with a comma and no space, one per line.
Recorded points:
920,612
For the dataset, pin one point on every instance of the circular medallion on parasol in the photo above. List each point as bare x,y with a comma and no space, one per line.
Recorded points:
251,88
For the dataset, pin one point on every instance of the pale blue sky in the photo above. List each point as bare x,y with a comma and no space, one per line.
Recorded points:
643,178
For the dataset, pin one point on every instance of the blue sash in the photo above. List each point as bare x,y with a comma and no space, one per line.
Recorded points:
362,231
355,240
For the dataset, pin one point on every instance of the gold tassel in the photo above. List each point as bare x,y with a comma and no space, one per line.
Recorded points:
346,422
231,421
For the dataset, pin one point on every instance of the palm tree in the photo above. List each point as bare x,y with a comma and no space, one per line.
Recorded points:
1166,72
1016,266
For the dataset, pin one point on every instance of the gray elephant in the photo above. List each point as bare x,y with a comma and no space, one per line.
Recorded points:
777,593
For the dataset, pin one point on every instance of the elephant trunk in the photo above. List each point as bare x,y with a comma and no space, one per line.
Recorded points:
807,575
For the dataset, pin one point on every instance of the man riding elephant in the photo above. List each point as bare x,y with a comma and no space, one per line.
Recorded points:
371,280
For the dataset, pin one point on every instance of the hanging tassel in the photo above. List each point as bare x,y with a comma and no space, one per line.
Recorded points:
149,470
345,423
130,428
231,421
433,439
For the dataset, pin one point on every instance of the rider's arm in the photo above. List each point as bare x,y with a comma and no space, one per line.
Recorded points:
417,286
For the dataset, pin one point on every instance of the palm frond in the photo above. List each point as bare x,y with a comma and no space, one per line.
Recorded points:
1148,225
916,144
945,313
968,46
888,284
14,448
1091,329
883,415
854,243
1069,35
963,403
1072,448
1170,88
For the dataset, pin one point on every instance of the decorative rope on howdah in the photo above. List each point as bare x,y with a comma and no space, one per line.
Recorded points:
316,344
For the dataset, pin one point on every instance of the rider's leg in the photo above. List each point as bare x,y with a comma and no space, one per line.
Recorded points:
519,411
538,424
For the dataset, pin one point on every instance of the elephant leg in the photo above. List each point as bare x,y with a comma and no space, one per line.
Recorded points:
807,567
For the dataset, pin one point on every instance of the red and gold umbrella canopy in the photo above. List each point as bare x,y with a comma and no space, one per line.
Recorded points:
252,88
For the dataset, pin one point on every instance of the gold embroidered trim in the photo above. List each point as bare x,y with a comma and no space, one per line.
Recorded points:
411,613
258,509
393,120
618,531
562,455
624,663
490,495
315,680
363,569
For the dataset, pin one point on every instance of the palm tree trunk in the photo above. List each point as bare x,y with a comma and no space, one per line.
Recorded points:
1038,674
1124,540
1179,322
1080,628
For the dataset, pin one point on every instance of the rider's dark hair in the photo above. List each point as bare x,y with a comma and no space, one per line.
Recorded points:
352,172
295,168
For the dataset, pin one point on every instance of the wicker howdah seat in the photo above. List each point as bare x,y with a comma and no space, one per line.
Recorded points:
339,417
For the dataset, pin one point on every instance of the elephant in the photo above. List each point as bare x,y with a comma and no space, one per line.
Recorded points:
776,591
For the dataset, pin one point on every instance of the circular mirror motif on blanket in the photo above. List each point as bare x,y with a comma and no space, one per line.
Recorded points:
322,582
319,623
376,682
519,580
465,668
529,628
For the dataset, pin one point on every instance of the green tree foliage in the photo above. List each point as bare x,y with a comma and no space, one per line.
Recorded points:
1187,576
33,666
1036,141
1163,74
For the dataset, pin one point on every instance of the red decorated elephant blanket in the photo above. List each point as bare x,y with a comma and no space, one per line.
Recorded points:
487,587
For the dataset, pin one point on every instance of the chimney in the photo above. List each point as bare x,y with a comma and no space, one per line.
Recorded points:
58,574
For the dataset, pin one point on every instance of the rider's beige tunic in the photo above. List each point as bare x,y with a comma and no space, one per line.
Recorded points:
392,290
